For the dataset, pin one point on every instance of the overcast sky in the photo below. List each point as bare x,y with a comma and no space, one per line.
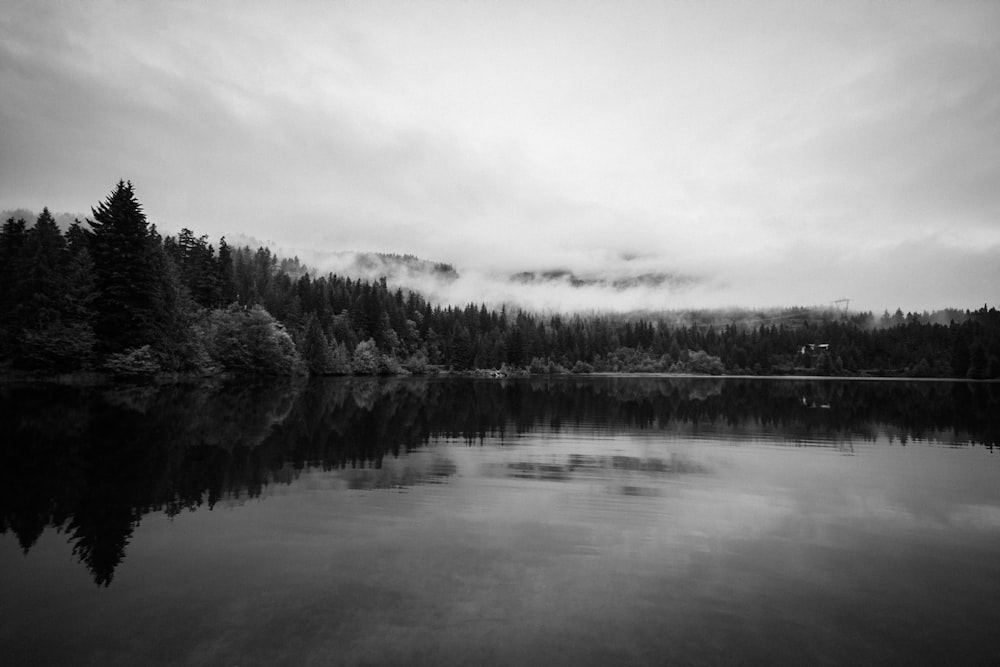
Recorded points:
778,153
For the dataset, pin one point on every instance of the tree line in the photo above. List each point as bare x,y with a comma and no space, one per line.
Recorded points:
115,295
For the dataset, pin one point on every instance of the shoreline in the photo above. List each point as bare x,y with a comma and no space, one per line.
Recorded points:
97,379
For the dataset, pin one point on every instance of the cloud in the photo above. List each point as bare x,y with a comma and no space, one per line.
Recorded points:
905,146
769,150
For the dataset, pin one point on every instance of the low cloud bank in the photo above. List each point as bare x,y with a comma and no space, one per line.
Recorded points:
632,286
924,275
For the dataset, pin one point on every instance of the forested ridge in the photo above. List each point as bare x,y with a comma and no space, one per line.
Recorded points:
112,294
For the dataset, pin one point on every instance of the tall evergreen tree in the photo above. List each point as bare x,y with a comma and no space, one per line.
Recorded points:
224,273
128,303
42,261
463,352
12,238
196,264
315,349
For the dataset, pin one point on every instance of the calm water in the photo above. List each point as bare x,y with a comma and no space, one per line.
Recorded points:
572,521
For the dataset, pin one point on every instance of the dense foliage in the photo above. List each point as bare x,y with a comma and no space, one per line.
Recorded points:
120,297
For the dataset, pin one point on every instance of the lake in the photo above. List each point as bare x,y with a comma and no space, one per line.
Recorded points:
571,520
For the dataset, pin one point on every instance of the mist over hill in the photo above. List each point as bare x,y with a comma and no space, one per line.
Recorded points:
631,289
619,282
624,285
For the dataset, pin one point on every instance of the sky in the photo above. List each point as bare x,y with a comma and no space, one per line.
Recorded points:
771,153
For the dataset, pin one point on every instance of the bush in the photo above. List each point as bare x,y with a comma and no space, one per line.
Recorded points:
417,363
57,347
557,368
133,361
340,360
251,340
366,358
703,362
538,366
389,365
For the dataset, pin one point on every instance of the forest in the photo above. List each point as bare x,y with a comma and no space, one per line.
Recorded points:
113,295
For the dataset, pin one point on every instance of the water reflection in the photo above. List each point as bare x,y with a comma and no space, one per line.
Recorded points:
578,465
93,461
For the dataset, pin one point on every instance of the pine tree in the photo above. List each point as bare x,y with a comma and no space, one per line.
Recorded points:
463,350
128,303
315,349
173,309
224,274
196,264
38,312
12,238
42,282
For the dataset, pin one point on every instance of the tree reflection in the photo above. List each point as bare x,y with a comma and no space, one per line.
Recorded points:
92,461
